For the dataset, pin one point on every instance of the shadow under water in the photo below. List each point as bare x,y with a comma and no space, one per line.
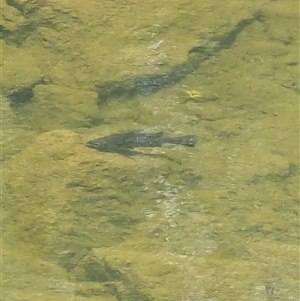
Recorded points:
150,84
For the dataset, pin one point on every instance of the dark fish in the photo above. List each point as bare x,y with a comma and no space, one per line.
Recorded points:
118,143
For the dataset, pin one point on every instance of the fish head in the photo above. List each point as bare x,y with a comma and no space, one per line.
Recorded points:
99,144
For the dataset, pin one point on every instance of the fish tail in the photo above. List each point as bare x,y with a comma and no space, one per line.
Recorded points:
189,140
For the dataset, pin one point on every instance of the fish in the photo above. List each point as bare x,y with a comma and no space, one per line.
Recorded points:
123,142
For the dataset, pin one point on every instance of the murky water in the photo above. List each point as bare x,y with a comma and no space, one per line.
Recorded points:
216,222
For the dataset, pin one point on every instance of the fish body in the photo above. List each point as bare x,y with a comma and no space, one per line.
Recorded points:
130,140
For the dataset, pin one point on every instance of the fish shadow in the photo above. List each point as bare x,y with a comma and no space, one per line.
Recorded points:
128,153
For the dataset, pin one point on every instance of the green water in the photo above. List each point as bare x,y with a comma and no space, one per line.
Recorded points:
216,222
